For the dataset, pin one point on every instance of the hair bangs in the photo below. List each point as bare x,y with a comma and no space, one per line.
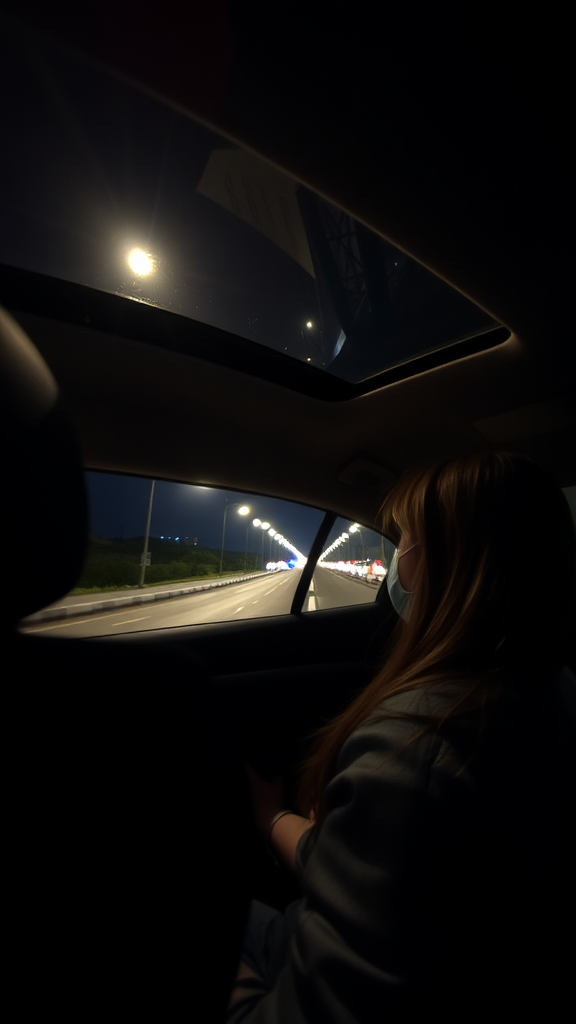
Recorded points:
403,508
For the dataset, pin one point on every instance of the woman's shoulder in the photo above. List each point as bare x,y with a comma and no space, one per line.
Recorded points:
422,699
396,736
408,712
413,731
428,736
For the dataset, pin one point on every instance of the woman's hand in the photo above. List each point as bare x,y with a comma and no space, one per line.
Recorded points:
267,800
284,834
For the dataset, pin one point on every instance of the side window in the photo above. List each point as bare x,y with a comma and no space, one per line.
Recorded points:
570,495
352,567
163,554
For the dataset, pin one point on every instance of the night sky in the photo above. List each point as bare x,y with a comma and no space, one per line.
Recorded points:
119,508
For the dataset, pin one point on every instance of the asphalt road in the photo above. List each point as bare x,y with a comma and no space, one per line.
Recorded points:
336,590
269,595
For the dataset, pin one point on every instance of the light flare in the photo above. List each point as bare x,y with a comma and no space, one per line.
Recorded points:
140,262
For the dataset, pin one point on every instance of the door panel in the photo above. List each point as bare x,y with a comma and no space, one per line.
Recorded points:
280,678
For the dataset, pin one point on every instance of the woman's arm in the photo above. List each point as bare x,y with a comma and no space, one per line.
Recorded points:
280,828
284,834
347,961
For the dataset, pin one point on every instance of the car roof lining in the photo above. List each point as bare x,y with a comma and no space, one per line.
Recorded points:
140,410
466,194
441,187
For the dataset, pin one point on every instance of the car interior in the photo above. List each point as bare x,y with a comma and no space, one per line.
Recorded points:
426,133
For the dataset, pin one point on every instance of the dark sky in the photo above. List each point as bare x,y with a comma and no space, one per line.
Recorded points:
119,507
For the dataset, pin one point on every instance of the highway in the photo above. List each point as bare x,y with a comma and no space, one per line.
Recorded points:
268,595
337,590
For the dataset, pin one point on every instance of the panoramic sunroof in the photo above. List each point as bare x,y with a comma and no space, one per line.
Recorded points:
110,188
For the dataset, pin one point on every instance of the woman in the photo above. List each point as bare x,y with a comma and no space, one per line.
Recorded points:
435,850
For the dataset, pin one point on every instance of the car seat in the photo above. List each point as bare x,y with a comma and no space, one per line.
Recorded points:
124,897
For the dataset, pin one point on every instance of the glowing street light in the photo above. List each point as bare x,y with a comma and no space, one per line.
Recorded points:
264,526
356,528
243,510
140,262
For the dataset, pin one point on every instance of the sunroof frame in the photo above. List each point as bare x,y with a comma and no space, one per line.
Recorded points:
41,295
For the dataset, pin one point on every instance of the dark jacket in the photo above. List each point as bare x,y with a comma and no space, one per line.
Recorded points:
440,882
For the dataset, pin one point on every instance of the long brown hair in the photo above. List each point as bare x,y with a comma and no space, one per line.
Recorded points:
487,525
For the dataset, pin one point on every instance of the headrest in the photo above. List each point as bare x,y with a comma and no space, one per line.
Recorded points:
43,517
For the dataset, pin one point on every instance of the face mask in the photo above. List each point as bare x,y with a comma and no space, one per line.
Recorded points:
400,598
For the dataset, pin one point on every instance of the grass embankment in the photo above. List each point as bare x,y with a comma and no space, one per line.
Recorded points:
115,564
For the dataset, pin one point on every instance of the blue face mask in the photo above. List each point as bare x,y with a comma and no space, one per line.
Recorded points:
400,598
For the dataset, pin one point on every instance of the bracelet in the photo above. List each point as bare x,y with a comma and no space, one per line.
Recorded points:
275,819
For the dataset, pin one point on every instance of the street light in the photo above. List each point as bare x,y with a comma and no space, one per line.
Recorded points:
278,538
356,528
246,549
145,555
256,523
140,262
243,510
264,527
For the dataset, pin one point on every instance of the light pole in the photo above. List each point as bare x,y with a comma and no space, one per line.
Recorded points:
344,541
271,533
243,510
277,552
264,527
256,523
147,537
246,550
356,528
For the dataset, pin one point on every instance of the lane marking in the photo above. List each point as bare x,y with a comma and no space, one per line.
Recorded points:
254,602
126,621
312,606
238,610
71,621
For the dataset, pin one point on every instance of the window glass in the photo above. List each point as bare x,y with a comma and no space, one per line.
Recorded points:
351,568
164,554
136,199
570,495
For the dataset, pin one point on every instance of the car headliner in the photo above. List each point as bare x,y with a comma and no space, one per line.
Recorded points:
444,133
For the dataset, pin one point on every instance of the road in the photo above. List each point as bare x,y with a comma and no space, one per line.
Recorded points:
269,595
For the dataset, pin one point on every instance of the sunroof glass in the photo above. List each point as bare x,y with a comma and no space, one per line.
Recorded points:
107,186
